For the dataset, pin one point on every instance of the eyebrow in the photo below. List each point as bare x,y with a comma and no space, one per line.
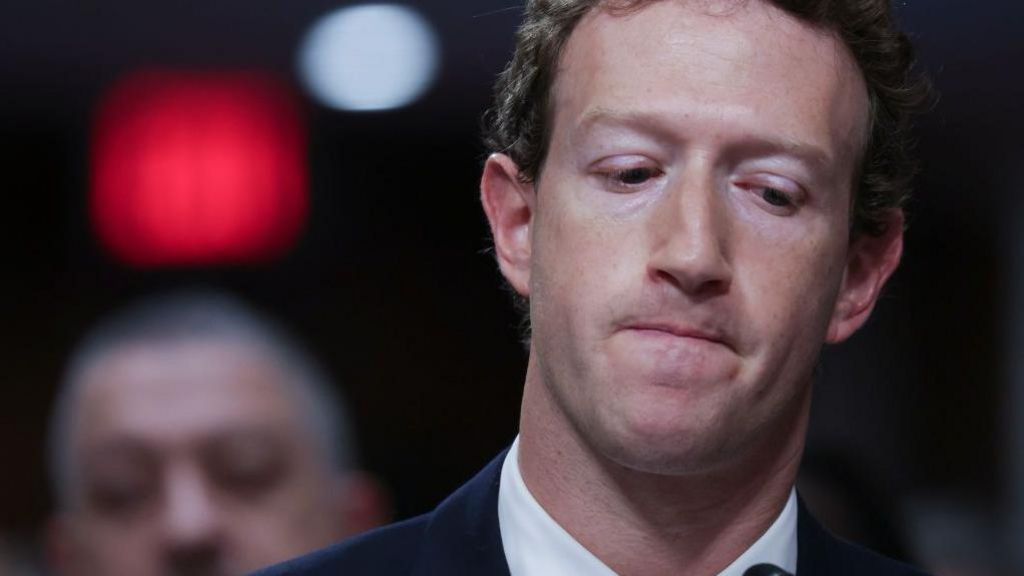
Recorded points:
648,124
655,126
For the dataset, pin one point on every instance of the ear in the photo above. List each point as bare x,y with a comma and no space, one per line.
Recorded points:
870,263
364,503
509,205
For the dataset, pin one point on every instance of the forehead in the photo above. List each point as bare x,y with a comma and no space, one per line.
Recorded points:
178,392
739,64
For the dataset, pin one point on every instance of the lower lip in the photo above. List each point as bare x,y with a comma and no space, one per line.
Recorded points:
676,361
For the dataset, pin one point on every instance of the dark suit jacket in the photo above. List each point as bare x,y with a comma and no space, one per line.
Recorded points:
461,537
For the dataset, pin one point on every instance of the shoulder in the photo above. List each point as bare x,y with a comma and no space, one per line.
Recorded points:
461,536
855,560
388,551
819,552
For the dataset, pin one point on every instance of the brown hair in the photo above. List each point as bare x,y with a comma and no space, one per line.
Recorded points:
518,123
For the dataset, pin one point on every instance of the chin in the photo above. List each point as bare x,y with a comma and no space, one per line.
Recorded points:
665,460
659,442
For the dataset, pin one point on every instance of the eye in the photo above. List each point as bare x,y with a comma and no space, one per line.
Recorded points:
776,197
121,496
776,194
248,467
121,482
626,175
248,479
634,176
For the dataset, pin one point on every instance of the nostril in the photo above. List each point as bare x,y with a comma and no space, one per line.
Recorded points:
695,286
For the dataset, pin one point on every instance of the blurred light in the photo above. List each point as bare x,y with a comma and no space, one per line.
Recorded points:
198,169
370,57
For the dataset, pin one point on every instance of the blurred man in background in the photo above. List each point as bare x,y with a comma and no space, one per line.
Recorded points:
190,436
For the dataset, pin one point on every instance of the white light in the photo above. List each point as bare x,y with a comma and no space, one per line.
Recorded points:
369,57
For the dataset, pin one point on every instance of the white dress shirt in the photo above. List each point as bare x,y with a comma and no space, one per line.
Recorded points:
535,545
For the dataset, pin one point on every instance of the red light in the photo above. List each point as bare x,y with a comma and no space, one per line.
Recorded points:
198,169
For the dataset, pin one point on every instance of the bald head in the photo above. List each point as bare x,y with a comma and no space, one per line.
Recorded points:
192,436
187,322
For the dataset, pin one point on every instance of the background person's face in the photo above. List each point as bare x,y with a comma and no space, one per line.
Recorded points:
192,458
690,229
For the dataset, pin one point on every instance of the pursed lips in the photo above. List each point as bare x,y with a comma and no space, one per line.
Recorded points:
678,330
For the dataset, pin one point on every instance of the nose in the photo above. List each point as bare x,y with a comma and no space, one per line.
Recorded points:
690,237
192,520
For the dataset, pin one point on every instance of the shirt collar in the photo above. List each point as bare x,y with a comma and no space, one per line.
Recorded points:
536,545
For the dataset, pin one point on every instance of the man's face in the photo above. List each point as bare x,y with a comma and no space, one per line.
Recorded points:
687,250
192,458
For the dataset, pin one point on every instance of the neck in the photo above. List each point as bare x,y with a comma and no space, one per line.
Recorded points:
639,523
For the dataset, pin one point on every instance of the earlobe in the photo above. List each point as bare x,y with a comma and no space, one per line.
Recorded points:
870,263
509,205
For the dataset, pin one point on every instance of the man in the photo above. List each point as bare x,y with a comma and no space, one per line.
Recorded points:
692,196
192,437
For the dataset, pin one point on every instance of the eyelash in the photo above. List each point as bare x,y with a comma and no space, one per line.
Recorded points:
781,199
625,179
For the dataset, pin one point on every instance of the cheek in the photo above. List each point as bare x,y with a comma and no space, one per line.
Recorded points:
792,291
579,266
575,241
257,536
293,520
575,270
109,548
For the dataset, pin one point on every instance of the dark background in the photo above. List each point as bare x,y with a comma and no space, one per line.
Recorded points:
391,287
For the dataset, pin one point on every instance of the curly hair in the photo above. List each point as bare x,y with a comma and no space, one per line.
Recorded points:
519,121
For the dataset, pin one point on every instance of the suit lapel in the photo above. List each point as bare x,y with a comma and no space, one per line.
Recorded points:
463,536
819,552
812,543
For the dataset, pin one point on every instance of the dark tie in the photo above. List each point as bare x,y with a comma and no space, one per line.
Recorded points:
765,570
